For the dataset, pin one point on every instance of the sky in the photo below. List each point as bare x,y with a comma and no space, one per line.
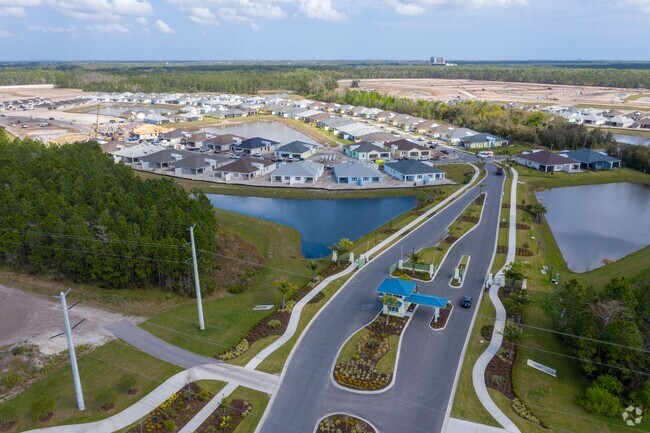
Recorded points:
324,29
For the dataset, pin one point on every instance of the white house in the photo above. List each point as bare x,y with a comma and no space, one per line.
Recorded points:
547,161
412,170
298,172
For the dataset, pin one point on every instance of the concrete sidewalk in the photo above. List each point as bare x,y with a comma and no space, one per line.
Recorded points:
456,425
478,372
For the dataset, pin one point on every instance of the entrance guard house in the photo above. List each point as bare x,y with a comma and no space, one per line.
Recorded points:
405,294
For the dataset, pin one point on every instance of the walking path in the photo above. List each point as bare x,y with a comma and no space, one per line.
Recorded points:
478,372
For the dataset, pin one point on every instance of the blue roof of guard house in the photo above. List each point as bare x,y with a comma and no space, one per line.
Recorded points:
396,287
427,300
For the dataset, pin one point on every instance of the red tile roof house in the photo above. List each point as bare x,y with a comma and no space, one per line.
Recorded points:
547,161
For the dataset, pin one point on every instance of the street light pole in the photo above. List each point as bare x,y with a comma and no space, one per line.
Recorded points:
73,357
197,283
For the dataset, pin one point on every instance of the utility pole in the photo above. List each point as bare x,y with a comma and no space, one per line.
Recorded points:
73,357
197,283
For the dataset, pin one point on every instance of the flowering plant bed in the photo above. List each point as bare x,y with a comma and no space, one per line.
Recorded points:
340,423
172,415
442,319
274,324
364,361
407,274
227,417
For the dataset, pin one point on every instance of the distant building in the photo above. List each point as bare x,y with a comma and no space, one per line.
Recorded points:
438,61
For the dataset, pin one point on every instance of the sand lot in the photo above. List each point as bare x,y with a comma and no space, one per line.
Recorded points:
496,91
34,318
48,91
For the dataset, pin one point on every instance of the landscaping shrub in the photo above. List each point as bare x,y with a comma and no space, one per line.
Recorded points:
106,398
42,407
170,425
239,350
600,401
128,382
203,395
7,416
274,324
236,289
523,411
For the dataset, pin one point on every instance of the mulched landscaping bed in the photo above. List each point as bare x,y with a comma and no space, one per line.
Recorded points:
502,249
501,366
317,298
389,231
468,219
442,319
226,418
344,424
360,372
172,415
505,205
524,252
416,212
8,426
450,239
521,226
504,225
258,332
333,268
480,199
424,276
486,332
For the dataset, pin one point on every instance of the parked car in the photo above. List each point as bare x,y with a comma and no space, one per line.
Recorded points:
466,302
445,151
499,171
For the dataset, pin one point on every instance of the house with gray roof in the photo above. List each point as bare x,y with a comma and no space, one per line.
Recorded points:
157,119
379,137
455,135
254,145
244,169
199,163
163,158
407,149
547,161
366,151
296,150
298,172
482,141
223,142
173,137
591,159
412,170
356,172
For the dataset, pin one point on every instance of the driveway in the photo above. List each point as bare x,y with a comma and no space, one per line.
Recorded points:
429,359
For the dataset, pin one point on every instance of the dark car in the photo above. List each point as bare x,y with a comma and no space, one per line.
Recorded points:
466,302
499,171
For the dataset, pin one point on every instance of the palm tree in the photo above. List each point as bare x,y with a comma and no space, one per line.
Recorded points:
481,186
415,258
389,301
313,266
285,287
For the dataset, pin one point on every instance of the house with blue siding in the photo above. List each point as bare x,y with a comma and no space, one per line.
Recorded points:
591,159
412,170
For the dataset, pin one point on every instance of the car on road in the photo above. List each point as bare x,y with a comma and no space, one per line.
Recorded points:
466,302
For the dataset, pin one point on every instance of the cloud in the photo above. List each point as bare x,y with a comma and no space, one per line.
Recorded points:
4,34
102,9
232,16
419,7
109,28
164,27
320,10
642,5
43,29
142,21
12,12
20,3
406,8
200,15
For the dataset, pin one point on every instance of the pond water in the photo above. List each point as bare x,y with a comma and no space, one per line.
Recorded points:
632,139
321,223
273,130
596,222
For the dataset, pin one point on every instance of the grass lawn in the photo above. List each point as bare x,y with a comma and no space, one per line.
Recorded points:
502,239
349,349
537,179
636,97
258,399
387,363
275,362
613,107
213,386
466,404
557,401
228,318
100,369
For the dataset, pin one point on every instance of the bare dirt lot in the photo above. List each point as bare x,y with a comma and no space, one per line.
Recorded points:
495,91
35,318
8,93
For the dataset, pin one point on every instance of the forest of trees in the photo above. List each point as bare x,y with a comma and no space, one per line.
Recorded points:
533,128
304,78
72,212
614,334
636,157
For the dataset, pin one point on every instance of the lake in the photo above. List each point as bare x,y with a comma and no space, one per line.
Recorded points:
596,222
272,130
321,223
632,139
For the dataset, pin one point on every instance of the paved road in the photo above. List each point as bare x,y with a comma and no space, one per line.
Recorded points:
418,400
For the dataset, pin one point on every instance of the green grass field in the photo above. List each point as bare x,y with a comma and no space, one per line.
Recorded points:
258,399
101,369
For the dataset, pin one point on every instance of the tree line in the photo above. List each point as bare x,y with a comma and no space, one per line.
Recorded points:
532,128
72,212
636,157
609,333
304,78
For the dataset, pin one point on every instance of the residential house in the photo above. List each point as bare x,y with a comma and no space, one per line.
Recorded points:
384,116
298,172
412,170
591,159
223,142
356,172
424,127
407,149
482,141
198,139
199,163
315,118
619,121
132,154
547,161
173,137
366,151
296,150
163,158
157,119
244,169
405,294
644,123
455,135
254,145
380,137
190,117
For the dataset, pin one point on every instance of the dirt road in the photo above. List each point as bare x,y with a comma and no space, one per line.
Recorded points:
34,318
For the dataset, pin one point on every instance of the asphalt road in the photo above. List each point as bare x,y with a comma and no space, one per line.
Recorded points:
429,359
